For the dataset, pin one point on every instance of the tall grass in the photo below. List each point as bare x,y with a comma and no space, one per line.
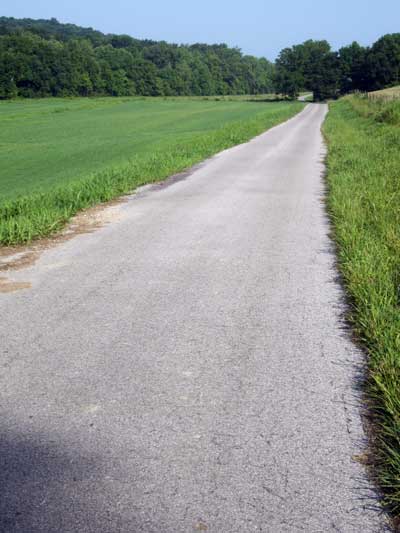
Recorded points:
392,93
40,214
364,200
379,110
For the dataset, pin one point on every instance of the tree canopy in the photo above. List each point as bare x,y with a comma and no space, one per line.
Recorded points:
47,58
313,66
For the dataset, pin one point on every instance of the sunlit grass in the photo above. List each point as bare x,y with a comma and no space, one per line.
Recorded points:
364,201
392,93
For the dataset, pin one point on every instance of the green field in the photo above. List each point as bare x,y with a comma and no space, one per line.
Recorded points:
61,155
364,201
47,142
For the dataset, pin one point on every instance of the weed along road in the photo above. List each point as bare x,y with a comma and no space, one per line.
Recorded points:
186,366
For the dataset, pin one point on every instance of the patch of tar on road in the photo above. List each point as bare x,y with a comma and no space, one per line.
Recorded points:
168,182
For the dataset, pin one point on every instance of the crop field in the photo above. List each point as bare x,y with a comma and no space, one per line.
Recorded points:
61,155
364,201
47,142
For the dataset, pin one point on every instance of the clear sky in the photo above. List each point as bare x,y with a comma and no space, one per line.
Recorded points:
258,27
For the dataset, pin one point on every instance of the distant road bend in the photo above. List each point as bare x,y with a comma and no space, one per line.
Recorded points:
185,367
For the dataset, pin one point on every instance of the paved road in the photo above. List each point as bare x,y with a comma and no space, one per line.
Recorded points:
186,367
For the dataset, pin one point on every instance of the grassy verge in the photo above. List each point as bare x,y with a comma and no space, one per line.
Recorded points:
40,213
364,200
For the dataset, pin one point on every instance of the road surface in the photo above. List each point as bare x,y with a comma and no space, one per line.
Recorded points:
186,367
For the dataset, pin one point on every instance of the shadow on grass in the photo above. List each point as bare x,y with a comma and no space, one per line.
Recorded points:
269,100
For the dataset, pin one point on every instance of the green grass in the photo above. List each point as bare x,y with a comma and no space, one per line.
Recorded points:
59,156
364,201
379,110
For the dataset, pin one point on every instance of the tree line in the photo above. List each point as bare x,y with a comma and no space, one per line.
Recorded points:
46,58
315,67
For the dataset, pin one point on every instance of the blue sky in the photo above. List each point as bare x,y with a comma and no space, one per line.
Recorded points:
259,27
